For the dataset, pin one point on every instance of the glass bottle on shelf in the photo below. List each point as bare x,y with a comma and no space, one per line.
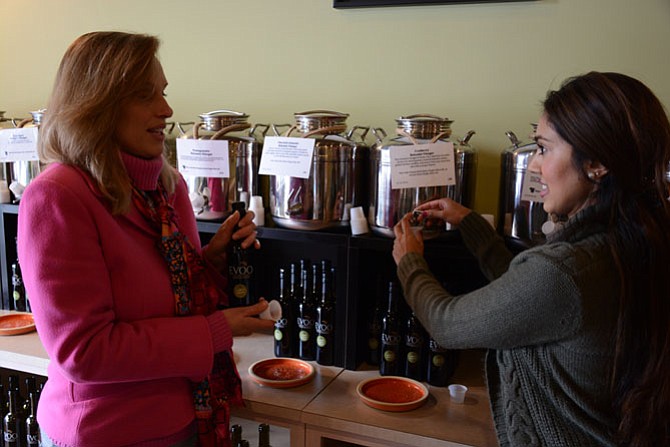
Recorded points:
32,427
441,364
283,333
240,268
18,289
415,349
325,318
391,337
264,435
3,412
373,348
13,423
305,321
235,434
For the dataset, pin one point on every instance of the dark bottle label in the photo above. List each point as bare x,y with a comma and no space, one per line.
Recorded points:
306,342
241,274
414,356
390,360
283,335
324,340
441,364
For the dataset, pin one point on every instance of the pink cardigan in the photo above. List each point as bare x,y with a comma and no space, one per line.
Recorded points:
121,362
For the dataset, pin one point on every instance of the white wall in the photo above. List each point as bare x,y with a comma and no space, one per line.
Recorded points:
486,66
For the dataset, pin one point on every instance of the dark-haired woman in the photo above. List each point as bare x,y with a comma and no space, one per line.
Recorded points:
578,329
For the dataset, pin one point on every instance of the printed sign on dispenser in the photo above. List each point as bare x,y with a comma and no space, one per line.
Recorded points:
423,165
287,156
532,187
203,158
19,144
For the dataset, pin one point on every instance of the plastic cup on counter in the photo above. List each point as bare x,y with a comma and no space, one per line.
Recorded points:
457,393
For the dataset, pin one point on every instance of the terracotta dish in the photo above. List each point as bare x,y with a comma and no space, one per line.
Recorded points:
15,324
391,393
281,372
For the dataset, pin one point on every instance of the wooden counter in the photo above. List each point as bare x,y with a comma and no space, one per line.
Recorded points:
327,410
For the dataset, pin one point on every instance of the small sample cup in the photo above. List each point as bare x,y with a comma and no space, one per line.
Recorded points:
359,224
457,393
272,312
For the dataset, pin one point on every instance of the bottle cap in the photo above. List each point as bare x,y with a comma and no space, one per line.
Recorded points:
239,207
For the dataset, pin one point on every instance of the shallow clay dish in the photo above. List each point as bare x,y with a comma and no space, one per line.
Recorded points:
281,372
391,393
15,324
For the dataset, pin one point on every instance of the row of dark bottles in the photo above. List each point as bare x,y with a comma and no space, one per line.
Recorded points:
19,413
307,327
237,440
400,345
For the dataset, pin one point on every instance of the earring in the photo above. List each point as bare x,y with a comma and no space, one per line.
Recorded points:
591,175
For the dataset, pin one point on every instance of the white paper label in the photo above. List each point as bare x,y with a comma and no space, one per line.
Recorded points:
203,158
531,188
422,165
18,144
287,156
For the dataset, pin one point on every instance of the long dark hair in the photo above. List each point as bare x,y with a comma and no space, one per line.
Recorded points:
616,120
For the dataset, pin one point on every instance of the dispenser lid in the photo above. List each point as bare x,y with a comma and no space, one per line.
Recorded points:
424,125
319,119
218,119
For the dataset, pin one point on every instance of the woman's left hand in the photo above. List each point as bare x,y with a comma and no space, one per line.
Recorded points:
406,240
215,251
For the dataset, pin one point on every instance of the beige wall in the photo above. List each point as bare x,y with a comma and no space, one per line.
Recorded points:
486,66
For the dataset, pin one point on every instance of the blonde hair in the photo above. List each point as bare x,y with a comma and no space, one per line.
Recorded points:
98,72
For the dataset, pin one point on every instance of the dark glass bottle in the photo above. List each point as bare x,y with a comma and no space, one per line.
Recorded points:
13,385
390,361
18,289
235,434
325,319
441,363
32,427
373,351
13,423
415,349
284,333
240,268
305,320
264,435
31,387
3,412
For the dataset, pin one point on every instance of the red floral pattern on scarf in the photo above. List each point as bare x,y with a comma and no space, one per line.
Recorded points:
194,294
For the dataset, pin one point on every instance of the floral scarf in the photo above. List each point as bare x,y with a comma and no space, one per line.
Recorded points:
194,294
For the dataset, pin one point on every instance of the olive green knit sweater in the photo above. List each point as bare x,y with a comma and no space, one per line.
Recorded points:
548,320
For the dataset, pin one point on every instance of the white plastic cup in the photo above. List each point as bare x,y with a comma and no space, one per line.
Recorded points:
256,205
457,393
272,312
4,192
359,224
490,219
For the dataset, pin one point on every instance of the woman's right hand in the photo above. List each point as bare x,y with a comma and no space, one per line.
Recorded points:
446,209
244,320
